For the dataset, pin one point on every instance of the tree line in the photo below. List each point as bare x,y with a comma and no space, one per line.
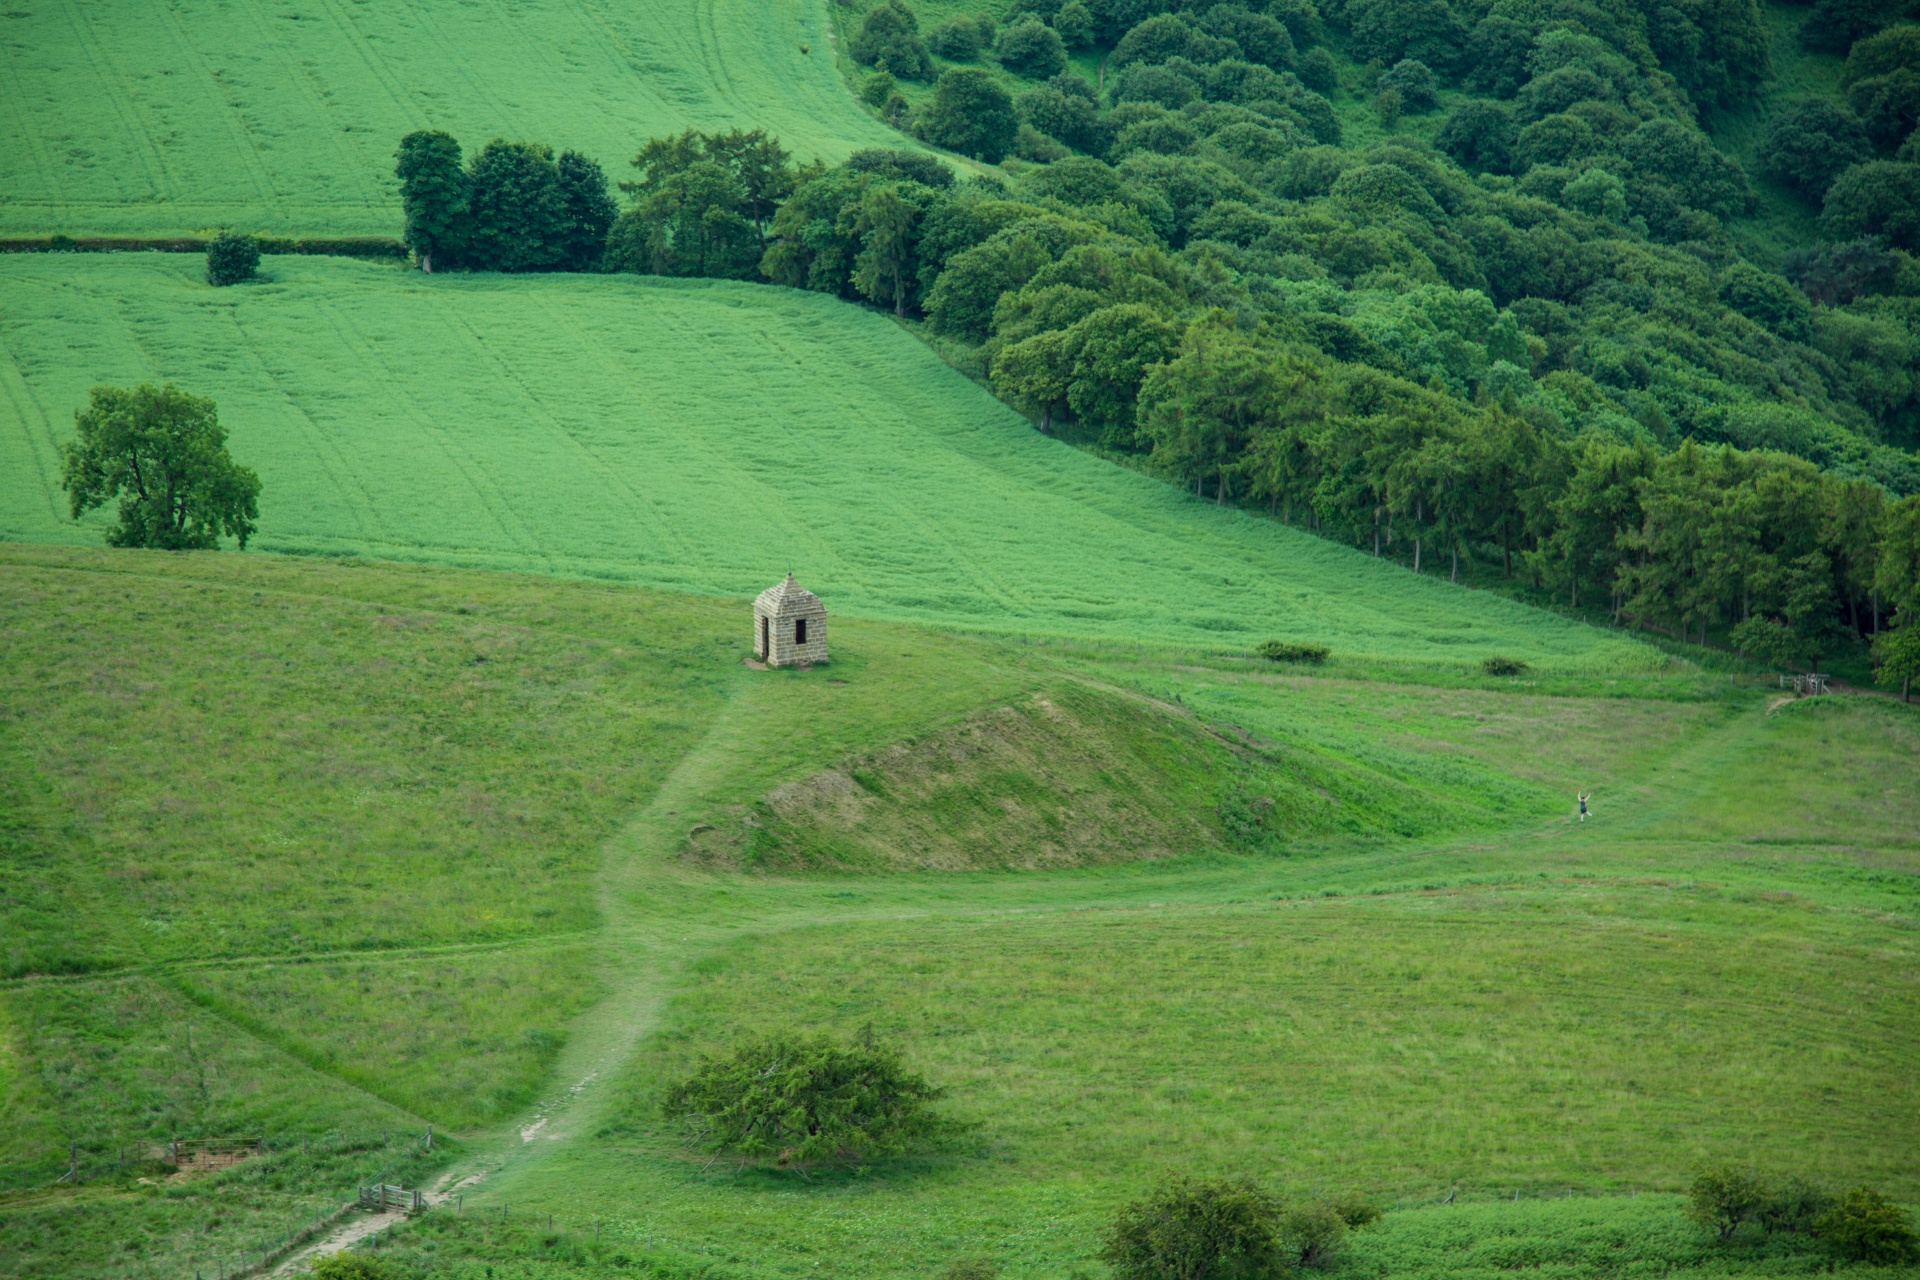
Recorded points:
1533,343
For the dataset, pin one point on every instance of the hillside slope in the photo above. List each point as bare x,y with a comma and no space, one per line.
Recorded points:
162,119
696,436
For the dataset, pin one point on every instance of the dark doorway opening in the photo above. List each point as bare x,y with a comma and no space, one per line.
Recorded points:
763,640
800,631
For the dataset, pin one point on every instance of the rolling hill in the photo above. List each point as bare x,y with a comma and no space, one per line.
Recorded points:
695,436
282,118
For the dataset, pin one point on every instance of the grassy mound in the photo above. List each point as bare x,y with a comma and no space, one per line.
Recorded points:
694,436
1069,777
188,117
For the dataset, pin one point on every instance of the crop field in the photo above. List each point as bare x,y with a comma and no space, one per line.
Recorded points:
706,436
282,118
1467,992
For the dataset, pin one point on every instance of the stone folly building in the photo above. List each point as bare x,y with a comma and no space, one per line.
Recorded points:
789,626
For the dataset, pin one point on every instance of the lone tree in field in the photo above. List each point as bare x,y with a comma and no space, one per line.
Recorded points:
1187,1230
232,258
163,453
800,1101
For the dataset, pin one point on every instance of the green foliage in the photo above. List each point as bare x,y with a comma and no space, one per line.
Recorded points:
1723,1199
1810,144
957,40
346,1265
877,88
805,1100
163,453
518,211
1191,1230
1032,49
1312,1234
435,196
1499,666
703,205
1074,23
971,114
1865,1226
889,39
1879,198
513,208
1414,81
1896,658
1293,651
232,258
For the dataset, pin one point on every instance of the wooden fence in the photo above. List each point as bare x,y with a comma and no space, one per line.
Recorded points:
384,1195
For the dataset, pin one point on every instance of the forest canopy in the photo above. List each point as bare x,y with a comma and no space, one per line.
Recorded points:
1539,340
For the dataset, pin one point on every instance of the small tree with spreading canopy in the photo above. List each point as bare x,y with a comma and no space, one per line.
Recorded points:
163,453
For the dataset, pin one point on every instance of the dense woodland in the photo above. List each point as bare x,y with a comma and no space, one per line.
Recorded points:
1534,344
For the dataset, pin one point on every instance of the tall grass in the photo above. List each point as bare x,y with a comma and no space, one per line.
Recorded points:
697,436
180,118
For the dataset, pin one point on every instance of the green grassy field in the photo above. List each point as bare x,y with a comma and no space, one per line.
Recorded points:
1468,992
695,436
283,118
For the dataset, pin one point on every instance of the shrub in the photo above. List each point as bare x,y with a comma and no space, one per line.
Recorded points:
956,41
971,1269
232,258
1032,49
878,87
1722,1197
1312,1235
1499,666
1419,88
1291,651
1868,1227
1794,1207
1317,72
802,1100
1074,23
1184,1229
1355,1212
972,115
352,1266
890,39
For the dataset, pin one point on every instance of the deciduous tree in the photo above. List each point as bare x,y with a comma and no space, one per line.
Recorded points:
163,453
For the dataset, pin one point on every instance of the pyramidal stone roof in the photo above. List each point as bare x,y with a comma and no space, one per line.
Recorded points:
786,598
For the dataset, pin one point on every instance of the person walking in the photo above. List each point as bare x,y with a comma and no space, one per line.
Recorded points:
1584,795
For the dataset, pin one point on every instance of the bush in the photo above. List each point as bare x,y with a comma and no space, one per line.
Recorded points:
1499,666
1317,72
232,258
1794,1207
878,87
1074,23
1184,1229
1723,1198
1312,1235
352,1266
1868,1227
1290,651
1032,49
1419,88
972,115
956,41
890,40
801,1100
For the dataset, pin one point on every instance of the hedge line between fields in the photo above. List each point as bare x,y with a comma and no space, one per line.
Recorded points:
342,247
